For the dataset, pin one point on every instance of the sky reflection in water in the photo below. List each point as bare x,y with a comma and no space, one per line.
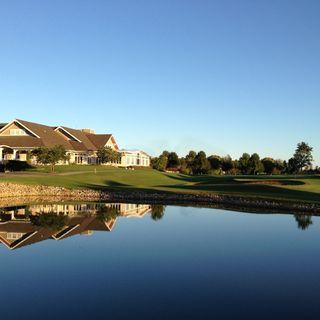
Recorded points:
115,261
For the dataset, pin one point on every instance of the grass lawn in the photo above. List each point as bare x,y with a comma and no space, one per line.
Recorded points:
302,188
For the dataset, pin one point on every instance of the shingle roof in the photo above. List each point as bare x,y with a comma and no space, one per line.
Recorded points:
47,136
99,140
21,141
80,135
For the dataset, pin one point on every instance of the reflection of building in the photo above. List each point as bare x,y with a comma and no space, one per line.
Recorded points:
17,230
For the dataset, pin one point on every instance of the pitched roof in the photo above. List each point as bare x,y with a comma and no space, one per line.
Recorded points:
80,135
99,140
46,136
21,141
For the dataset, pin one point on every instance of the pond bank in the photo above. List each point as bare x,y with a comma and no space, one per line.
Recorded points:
14,194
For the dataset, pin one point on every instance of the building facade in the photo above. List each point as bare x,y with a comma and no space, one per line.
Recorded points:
134,158
19,137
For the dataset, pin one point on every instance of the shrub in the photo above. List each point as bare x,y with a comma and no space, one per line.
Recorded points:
15,165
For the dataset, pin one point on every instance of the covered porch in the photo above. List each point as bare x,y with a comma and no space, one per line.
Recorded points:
10,153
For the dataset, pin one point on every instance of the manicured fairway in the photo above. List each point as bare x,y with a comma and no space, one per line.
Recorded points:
302,188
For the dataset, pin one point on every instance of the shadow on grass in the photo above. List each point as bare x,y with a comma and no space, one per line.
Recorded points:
227,188
250,190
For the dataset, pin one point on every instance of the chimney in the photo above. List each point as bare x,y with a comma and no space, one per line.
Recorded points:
88,131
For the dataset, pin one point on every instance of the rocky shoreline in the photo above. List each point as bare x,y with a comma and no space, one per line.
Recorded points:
13,194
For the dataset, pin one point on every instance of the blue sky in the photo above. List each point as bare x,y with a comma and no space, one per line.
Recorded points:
223,76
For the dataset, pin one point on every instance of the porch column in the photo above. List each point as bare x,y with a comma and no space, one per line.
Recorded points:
1,154
14,154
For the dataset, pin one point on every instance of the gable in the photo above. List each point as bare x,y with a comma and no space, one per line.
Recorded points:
112,143
15,129
66,135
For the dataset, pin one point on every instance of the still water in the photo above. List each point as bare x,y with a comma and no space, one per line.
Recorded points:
120,261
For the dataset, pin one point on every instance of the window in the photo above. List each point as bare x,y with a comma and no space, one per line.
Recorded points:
17,132
14,235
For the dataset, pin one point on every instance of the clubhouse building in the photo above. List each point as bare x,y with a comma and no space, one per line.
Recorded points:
18,138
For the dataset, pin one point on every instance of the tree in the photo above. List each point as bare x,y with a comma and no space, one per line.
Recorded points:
184,168
160,163
292,166
173,160
201,164
280,166
302,157
243,163
227,164
190,157
107,155
165,153
254,164
189,161
215,162
50,156
269,165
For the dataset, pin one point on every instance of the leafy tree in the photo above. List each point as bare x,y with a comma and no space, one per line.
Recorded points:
190,157
201,164
184,167
269,165
302,156
280,166
165,153
292,166
173,160
189,160
254,164
161,163
243,163
215,162
107,155
157,211
227,164
50,156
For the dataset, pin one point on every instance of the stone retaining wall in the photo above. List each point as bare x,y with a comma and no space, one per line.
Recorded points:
24,193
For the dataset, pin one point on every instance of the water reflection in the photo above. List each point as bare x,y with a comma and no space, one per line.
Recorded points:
21,226
304,221
25,225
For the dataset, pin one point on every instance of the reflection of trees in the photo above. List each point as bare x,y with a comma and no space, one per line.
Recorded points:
157,211
303,220
105,213
49,220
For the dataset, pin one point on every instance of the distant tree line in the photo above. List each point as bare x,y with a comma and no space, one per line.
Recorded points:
195,163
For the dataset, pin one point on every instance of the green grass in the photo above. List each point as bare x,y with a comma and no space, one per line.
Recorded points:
295,188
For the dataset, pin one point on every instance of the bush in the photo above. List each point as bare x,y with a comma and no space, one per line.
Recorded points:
15,165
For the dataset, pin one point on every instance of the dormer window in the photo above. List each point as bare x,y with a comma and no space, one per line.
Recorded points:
17,132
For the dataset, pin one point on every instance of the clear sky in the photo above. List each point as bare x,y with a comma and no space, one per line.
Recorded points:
224,76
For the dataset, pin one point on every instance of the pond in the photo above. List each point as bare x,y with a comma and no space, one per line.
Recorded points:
120,261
